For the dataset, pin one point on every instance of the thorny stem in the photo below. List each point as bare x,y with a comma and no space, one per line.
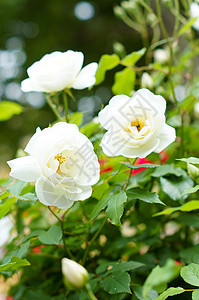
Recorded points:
63,234
92,240
53,107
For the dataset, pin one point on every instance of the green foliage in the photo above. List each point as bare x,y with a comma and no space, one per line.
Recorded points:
14,264
170,292
117,283
52,236
115,207
131,59
137,193
9,109
190,274
107,62
124,82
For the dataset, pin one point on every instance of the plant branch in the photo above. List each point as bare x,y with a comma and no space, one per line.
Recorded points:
53,107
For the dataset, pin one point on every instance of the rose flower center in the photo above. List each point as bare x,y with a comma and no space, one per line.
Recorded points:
61,159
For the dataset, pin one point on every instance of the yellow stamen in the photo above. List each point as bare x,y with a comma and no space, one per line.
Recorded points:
137,124
61,159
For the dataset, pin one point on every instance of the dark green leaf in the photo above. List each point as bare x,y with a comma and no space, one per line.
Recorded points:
99,207
52,236
116,207
117,283
191,190
190,255
174,187
168,169
141,166
124,266
138,193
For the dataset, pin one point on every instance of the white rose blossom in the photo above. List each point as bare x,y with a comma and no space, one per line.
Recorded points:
58,71
62,162
135,126
75,275
194,11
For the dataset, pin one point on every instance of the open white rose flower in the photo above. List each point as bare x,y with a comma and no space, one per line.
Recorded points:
135,126
75,275
62,162
59,70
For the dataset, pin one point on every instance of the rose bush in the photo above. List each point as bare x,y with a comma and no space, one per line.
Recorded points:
136,126
62,162
58,71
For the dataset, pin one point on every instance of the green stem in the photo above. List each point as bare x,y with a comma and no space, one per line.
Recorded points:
92,240
90,292
129,176
53,107
65,105
63,234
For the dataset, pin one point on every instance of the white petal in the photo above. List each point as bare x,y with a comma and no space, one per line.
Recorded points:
51,196
33,144
146,100
24,168
167,136
141,151
29,85
86,77
108,117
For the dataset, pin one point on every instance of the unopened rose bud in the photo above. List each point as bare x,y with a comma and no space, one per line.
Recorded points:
146,81
161,55
196,110
75,276
119,12
193,171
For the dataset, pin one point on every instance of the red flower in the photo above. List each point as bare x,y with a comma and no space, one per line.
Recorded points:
164,156
37,249
104,169
140,161
9,298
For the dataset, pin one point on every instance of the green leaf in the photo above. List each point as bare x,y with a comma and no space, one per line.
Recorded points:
76,118
191,190
190,274
117,283
161,275
131,59
4,195
174,187
170,292
189,206
107,62
124,82
16,188
9,109
167,170
29,197
190,255
52,236
134,167
195,295
116,207
14,264
190,160
124,266
99,207
138,193
5,207
186,26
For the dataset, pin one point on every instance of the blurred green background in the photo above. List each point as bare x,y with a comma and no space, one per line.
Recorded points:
29,30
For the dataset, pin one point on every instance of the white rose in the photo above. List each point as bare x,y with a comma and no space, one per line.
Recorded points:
194,11
161,55
75,276
62,162
146,81
136,126
59,70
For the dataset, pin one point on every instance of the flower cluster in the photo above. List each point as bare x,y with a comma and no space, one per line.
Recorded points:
61,159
